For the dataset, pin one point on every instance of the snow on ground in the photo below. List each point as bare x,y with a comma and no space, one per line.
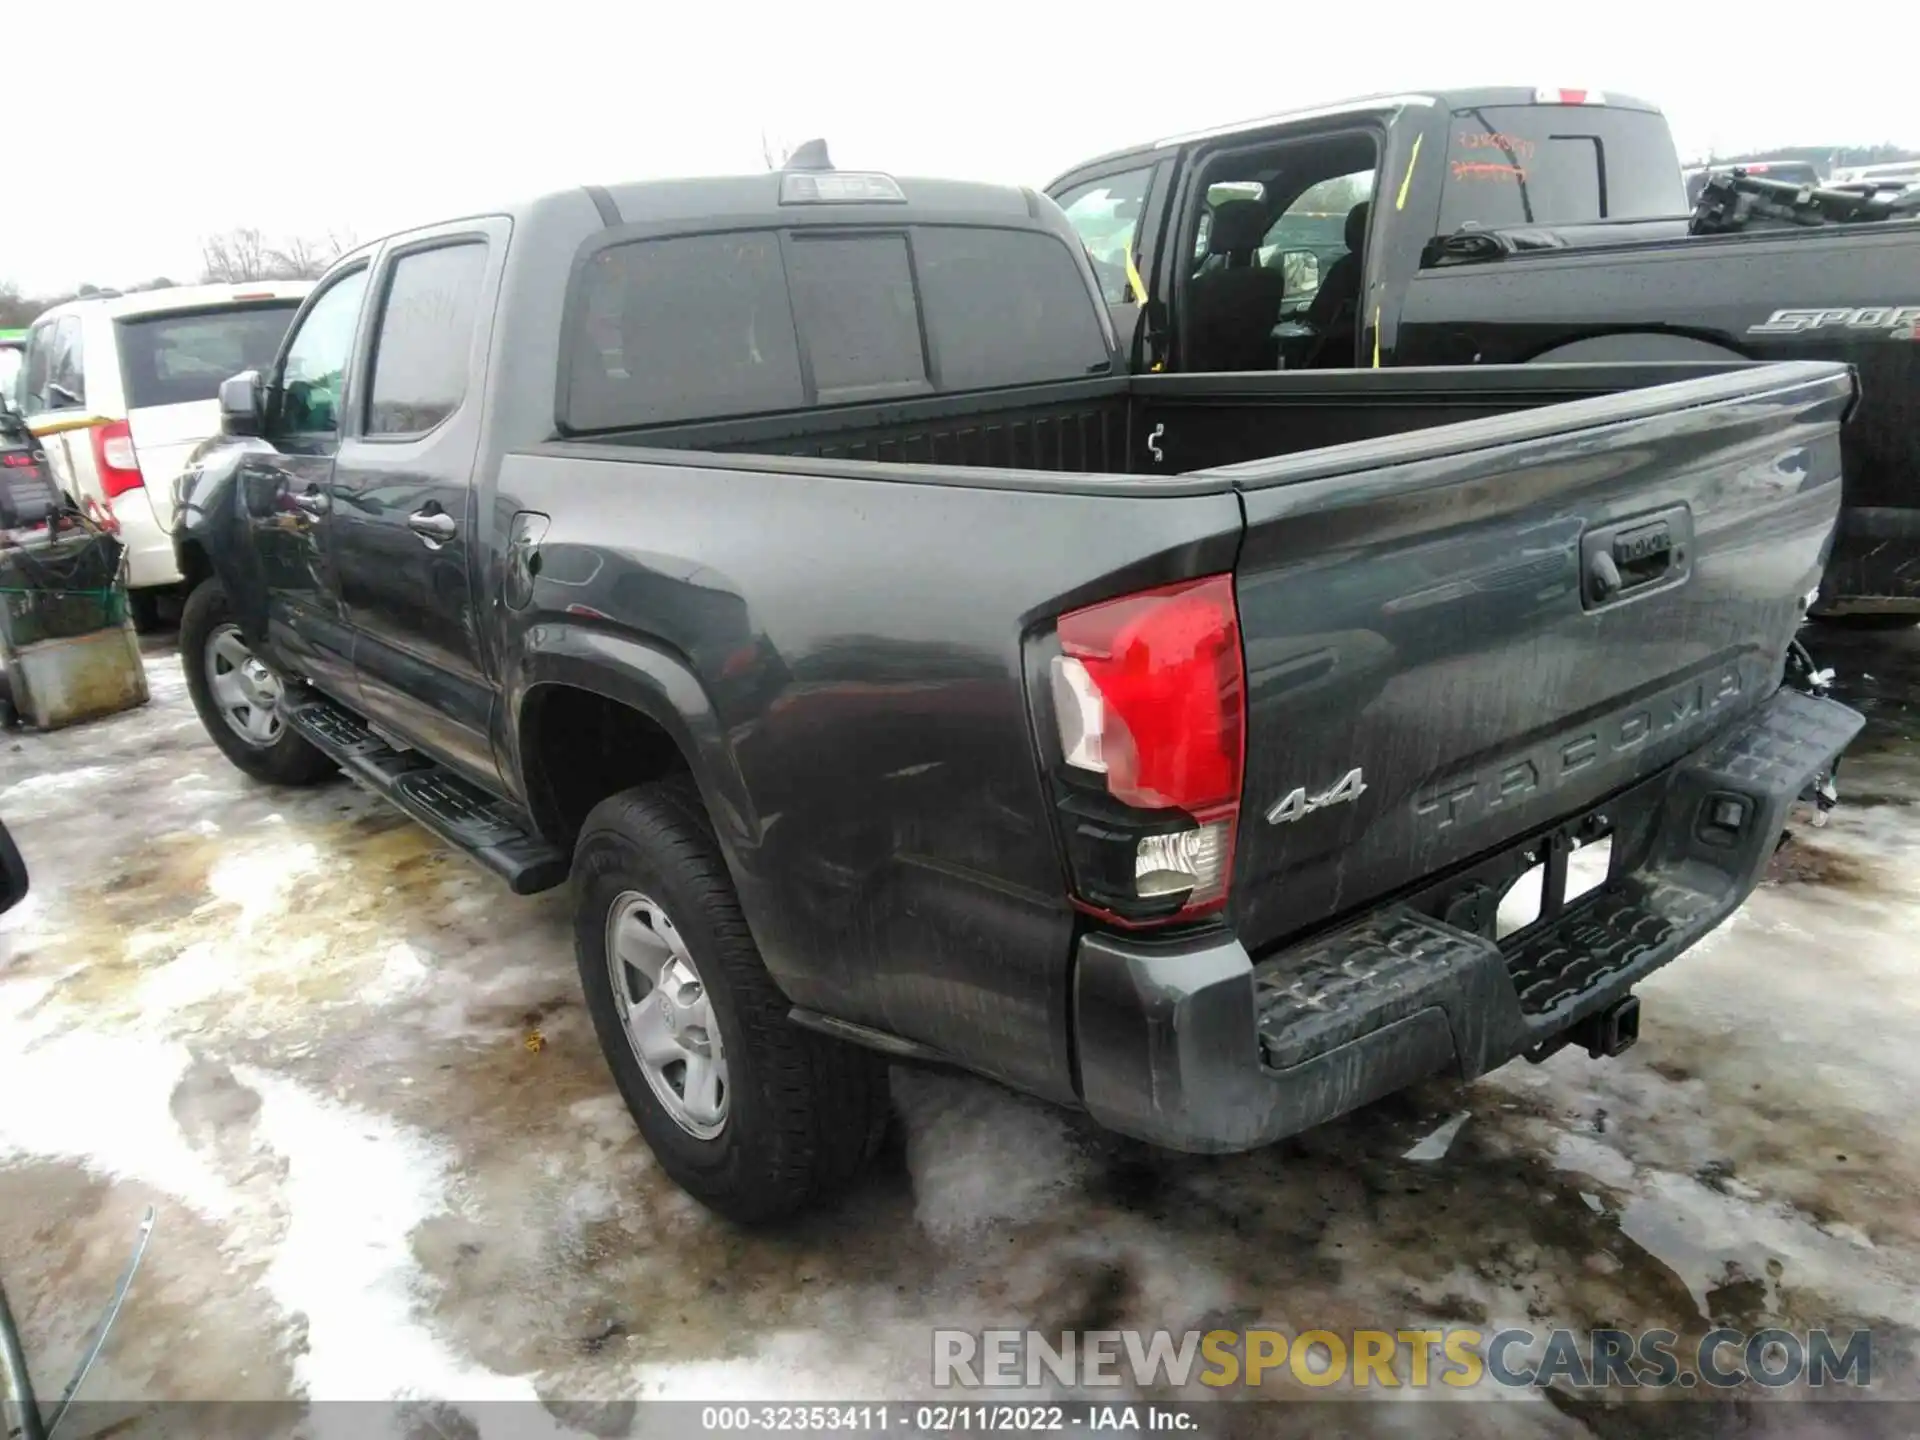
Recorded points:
300,1028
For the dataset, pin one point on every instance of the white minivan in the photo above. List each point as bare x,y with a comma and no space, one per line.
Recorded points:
120,388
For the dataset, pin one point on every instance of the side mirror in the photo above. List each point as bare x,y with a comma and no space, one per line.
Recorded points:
240,404
13,872
1302,269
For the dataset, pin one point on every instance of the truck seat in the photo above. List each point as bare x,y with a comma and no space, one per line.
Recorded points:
1336,304
1231,311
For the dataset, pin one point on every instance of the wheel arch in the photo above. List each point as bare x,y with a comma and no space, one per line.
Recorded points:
1631,345
595,713
209,535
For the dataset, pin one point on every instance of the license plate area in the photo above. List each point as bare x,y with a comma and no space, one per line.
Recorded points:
1531,883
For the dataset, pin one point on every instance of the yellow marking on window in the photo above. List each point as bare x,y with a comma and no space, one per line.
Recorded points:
1406,180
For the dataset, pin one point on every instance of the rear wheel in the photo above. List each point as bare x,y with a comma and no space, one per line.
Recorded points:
237,695
750,1114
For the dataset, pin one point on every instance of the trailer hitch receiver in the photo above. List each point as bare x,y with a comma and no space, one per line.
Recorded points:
1613,1031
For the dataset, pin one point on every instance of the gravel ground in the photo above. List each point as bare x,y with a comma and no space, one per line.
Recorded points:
354,1076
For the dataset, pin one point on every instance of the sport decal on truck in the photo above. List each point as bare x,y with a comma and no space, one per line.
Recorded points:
1902,320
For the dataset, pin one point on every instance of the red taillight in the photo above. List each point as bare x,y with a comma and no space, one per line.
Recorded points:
113,456
1162,670
1149,696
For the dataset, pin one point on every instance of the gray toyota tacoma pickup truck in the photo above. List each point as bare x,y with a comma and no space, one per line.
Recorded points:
792,564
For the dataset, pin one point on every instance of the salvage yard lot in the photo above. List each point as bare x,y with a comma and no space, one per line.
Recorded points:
354,1075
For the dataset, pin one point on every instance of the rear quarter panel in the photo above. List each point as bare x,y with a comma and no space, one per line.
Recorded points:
847,654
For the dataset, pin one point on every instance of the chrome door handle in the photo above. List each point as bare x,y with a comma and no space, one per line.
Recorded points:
434,525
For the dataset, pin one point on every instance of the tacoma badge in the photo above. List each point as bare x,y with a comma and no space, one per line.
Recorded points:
1297,804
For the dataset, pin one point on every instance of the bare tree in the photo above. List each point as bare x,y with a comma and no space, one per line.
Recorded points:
17,310
237,254
246,253
306,257
299,257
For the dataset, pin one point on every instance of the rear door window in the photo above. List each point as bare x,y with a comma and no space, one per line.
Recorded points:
181,358
66,371
1511,165
696,327
853,301
423,348
33,376
1007,307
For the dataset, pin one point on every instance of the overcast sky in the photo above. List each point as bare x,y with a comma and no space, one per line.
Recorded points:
144,127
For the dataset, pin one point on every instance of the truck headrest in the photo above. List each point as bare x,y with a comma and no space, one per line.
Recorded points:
1238,225
1357,226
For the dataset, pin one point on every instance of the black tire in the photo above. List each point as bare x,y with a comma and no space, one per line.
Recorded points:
290,760
144,607
804,1112
1869,622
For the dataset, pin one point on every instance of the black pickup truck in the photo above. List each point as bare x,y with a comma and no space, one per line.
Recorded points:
1508,226
793,563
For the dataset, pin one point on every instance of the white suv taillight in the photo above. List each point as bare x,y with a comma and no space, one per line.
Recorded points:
115,460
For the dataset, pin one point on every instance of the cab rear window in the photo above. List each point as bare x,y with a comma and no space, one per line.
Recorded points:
707,327
1511,165
180,358
1006,307
854,304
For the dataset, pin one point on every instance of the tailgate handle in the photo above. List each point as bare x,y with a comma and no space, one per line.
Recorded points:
1625,558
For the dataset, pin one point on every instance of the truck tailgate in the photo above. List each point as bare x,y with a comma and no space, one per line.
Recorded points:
1455,638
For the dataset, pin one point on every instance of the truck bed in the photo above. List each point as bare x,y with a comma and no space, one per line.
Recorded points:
1105,427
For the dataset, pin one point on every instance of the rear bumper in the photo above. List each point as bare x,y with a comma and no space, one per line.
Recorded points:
150,557
1875,567
1192,1045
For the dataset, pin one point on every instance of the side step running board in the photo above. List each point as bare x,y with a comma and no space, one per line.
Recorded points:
461,814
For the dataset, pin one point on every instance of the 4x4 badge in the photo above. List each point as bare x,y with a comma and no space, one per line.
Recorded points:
1297,804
